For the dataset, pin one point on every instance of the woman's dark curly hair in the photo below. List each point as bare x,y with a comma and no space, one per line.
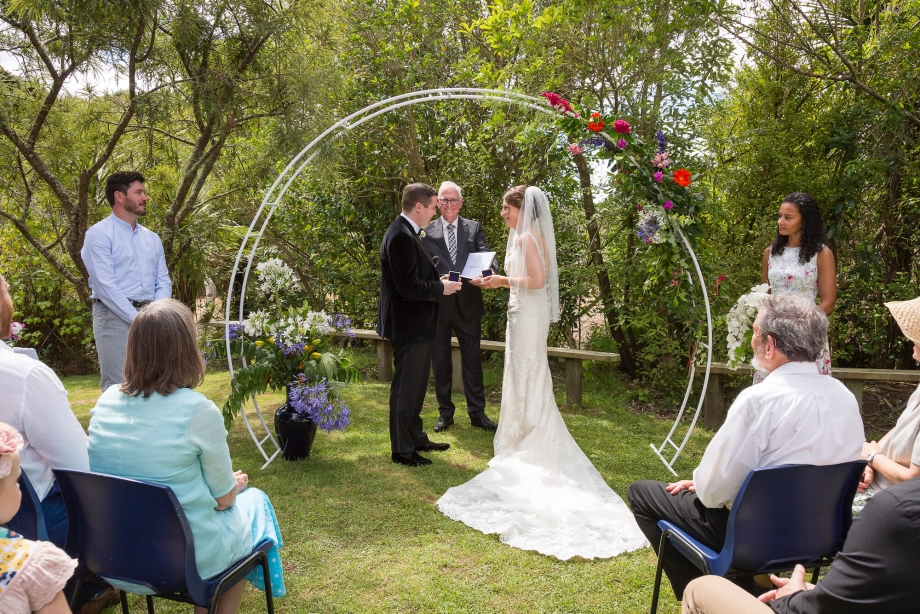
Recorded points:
813,236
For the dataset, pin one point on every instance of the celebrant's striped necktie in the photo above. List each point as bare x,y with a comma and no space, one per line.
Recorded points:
452,242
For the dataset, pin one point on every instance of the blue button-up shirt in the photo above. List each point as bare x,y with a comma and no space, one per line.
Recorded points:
125,264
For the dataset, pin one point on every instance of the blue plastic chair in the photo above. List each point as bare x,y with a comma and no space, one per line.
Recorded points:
783,516
137,532
29,521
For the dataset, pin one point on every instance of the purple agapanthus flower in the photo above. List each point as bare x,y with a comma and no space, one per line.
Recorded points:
342,322
596,141
234,331
662,144
290,350
647,229
314,400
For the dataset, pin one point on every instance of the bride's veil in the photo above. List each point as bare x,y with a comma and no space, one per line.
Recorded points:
536,221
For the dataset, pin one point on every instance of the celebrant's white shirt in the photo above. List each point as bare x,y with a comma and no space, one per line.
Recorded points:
34,402
445,224
794,417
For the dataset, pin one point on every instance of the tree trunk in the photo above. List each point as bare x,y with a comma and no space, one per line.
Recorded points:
627,356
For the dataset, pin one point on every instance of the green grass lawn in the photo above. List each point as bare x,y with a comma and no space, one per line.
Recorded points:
364,535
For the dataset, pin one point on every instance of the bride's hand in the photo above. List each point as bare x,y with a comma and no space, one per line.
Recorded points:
492,281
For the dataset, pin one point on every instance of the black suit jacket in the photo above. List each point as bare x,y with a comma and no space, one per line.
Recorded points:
410,287
876,571
470,238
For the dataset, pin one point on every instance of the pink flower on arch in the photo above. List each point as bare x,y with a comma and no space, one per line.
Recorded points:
576,149
622,126
668,205
557,101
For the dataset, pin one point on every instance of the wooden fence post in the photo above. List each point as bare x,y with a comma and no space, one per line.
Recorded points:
384,360
573,382
714,402
456,382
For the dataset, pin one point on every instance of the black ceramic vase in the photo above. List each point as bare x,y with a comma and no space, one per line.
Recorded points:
295,431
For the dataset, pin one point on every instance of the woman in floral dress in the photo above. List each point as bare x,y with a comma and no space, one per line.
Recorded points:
800,261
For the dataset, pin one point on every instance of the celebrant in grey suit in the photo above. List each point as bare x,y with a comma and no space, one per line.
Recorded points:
452,239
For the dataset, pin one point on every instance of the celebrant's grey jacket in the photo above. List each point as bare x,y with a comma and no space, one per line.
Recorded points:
470,239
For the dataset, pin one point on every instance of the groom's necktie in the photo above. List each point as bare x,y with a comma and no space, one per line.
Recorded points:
452,242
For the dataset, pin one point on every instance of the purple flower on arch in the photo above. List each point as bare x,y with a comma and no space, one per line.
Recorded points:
658,176
668,205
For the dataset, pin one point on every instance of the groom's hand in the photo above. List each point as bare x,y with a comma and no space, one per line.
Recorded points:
450,286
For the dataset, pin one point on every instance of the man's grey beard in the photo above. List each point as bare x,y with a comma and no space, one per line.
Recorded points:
755,361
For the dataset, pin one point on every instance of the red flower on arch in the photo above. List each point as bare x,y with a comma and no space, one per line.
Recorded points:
595,125
682,177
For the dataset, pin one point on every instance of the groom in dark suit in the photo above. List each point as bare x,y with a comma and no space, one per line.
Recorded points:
407,315
452,239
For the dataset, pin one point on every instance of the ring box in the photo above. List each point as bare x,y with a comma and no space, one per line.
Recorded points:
487,272
453,276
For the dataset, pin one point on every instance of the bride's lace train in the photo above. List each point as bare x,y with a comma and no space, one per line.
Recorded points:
540,491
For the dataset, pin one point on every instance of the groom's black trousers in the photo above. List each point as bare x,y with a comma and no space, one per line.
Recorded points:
650,502
412,362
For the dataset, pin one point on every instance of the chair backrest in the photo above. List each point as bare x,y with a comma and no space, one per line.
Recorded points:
791,514
128,530
29,521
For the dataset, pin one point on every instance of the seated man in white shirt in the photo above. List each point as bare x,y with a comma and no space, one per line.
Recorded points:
34,402
795,416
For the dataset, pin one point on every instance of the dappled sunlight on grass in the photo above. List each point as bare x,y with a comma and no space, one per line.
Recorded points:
364,535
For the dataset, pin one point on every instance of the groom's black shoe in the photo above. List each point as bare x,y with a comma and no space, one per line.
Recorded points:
482,421
410,460
442,423
432,447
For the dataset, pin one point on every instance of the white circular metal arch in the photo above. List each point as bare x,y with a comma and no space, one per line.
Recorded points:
250,243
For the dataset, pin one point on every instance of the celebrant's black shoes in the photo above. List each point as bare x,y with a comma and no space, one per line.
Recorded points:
482,421
433,447
442,423
410,460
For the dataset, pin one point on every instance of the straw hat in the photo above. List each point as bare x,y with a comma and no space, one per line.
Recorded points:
907,315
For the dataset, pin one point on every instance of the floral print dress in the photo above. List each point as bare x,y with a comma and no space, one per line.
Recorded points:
787,274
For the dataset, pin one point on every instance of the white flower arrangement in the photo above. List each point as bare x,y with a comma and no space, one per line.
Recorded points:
255,324
289,330
275,276
739,320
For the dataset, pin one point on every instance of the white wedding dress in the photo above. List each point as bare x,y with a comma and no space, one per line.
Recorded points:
540,491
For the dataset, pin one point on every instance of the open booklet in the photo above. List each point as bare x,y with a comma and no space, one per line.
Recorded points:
476,263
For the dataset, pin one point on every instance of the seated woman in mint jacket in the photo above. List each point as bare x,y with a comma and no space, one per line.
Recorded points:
155,428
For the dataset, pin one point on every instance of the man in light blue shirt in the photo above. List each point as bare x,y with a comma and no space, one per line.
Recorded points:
127,270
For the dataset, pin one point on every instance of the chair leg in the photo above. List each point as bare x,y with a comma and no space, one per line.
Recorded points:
150,608
124,602
269,599
76,591
814,576
661,552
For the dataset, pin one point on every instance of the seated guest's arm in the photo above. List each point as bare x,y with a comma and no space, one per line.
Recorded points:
875,571
733,453
207,435
49,424
891,469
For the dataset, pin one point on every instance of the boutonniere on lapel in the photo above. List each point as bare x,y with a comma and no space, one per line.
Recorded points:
421,234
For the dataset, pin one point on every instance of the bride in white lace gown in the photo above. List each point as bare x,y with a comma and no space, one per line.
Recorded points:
540,491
